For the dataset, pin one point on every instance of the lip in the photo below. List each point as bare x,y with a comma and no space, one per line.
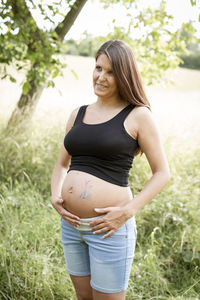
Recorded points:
101,86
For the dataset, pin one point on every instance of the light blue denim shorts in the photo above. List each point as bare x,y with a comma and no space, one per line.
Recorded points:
108,261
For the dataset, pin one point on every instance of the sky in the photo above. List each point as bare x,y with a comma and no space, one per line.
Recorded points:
97,21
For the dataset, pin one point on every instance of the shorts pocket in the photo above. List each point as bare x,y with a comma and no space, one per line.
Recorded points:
121,231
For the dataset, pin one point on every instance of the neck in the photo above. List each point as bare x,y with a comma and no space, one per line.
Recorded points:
111,102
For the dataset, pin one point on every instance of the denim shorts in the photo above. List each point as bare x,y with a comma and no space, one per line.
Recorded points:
108,261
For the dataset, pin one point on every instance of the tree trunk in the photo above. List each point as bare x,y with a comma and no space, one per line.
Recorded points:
25,108
63,28
27,103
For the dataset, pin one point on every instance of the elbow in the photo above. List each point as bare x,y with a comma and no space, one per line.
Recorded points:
163,176
166,175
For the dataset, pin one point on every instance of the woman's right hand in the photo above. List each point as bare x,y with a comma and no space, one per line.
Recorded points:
57,203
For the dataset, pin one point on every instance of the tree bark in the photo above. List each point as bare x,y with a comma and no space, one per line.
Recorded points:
27,103
63,28
24,109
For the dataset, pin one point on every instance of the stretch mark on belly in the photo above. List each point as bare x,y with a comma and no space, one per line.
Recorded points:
86,193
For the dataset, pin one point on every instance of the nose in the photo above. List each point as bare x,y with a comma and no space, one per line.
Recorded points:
102,76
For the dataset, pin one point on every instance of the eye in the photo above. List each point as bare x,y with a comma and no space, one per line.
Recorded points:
110,72
98,68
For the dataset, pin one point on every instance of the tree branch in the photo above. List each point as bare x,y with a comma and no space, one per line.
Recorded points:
63,28
22,13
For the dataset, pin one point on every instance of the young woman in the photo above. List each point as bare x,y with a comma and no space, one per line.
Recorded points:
90,188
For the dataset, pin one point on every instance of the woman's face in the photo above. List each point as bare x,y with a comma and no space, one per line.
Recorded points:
104,82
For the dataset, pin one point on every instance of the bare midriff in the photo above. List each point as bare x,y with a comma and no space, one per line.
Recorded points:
82,192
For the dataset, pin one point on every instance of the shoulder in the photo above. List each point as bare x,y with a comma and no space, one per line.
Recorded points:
146,125
141,121
74,113
142,112
139,117
143,116
72,118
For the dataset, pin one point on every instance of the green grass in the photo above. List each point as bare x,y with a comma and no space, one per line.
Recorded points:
167,258
32,262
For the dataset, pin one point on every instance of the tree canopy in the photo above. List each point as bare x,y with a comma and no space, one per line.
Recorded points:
37,46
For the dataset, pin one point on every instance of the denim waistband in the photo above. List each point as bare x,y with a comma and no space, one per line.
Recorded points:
84,226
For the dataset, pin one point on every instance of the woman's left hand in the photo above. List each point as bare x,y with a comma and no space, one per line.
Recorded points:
115,217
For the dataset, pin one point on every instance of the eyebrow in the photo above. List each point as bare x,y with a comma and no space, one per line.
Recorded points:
109,69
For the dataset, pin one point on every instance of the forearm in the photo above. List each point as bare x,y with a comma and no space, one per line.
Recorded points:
57,179
150,190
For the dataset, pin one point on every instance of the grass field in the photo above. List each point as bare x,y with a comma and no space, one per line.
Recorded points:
167,258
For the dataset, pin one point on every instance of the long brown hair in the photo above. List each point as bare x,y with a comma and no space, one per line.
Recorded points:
126,73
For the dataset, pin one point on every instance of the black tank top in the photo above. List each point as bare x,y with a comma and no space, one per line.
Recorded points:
104,150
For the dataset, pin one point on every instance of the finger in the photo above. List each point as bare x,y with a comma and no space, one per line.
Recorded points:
97,222
101,230
72,222
71,219
108,234
102,210
59,200
68,214
98,227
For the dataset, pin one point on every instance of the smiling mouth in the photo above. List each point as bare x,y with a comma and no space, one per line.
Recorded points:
100,85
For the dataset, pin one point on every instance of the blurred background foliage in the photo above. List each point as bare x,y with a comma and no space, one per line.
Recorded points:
36,44
167,258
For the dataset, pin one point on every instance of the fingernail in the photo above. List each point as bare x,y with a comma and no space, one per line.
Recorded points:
94,232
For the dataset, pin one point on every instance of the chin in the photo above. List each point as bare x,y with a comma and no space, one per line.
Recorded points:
102,96
100,93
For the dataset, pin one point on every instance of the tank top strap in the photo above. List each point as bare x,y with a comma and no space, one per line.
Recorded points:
124,113
80,114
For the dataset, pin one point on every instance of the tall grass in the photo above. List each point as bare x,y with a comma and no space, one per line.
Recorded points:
167,262
167,258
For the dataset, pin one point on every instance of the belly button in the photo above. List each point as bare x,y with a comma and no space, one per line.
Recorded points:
70,189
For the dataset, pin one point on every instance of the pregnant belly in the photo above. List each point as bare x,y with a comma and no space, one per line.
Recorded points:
82,192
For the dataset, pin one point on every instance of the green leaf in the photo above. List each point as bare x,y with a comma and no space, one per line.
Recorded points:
26,87
188,255
12,79
55,73
50,83
4,76
193,2
74,73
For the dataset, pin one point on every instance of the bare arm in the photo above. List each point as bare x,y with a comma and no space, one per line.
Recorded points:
58,176
150,143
